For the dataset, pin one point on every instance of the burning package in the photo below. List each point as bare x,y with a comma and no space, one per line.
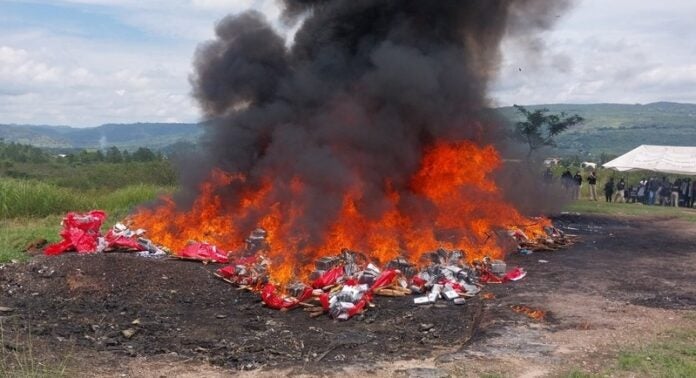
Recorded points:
248,271
203,252
446,277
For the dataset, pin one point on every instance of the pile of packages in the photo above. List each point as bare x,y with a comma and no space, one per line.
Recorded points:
345,285
554,240
81,233
341,286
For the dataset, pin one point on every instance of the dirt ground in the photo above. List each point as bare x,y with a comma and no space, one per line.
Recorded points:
628,281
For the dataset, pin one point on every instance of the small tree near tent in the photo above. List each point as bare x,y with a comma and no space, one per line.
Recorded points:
539,128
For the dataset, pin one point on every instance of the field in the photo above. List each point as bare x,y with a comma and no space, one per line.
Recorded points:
32,207
620,303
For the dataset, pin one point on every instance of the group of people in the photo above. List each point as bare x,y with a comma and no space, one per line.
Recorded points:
648,191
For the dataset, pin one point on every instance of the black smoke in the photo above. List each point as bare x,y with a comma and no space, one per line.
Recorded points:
354,100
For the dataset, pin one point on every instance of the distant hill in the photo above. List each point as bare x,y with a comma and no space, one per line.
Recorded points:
609,128
618,128
152,135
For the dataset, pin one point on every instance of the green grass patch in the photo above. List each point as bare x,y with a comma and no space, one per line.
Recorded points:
30,198
673,357
16,234
94,176
631,209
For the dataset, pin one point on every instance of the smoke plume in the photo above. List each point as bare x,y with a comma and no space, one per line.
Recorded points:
365,88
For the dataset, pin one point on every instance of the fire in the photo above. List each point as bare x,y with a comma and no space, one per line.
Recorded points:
451,201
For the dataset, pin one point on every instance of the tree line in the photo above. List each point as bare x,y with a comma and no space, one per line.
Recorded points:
22,153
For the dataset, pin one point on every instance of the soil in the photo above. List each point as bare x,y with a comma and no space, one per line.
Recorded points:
628,280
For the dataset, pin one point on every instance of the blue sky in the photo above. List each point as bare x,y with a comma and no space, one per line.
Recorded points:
88,62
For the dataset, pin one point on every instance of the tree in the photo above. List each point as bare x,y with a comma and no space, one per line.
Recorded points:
144,154
113,155
540,128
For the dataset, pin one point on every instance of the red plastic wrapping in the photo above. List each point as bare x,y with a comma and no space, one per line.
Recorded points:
329,278
80,233
120,241
367,297
384,279
418,281
228,271
515,275
488,277
204,252
276,301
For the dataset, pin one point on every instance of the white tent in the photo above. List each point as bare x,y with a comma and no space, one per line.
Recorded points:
664,159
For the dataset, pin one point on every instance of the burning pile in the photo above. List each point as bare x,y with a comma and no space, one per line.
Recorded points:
342,286
368,131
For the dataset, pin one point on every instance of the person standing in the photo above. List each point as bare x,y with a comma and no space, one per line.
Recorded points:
642,188
548,177
609,189
592,181
566,179
653,186
674,197
620,187
577,184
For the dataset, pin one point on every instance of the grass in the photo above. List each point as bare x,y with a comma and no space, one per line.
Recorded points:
631,210
96,175
29,198
672,357
32,210
18,359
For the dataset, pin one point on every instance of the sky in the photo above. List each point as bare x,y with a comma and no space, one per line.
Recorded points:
89,62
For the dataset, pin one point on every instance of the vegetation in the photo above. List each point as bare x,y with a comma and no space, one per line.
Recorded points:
37,189
125,136
18,357
618,128
630,210
540,128
673,356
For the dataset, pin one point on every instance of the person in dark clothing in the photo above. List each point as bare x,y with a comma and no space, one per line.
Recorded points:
577,184
609,189
632,194
566,179
592,181
685,192
664,190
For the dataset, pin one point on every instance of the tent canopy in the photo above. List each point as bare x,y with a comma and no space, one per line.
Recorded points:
664,159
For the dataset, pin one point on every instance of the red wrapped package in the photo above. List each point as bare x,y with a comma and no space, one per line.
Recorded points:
384,279
515,275
329,278
203,252
80,233
116,241
276,301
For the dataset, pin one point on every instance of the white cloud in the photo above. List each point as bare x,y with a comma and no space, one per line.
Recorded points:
618,51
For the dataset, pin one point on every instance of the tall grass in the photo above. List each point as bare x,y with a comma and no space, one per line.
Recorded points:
30,198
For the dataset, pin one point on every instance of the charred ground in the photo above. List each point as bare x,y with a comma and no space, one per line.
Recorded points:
180,310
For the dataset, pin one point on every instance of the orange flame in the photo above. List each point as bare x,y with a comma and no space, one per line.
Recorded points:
451,202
